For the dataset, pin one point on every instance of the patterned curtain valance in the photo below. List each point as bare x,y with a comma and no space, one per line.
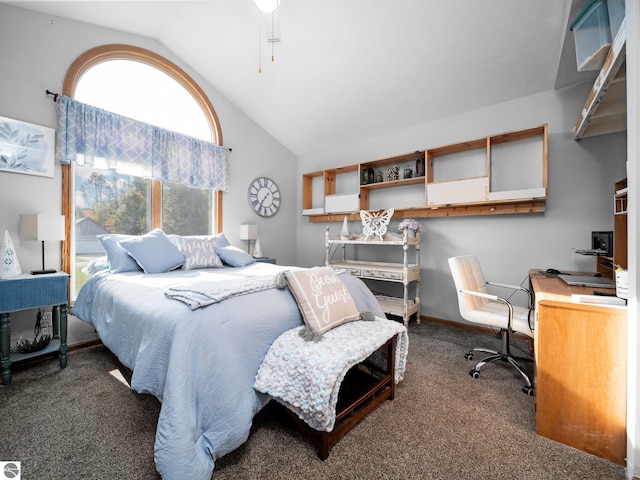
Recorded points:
90,136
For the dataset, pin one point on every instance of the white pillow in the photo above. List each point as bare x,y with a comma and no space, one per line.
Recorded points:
219,238
199,252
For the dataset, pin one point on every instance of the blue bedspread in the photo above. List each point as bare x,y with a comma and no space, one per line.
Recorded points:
201,364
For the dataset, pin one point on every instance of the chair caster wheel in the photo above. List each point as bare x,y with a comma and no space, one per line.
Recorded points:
528,390
474,373
468,356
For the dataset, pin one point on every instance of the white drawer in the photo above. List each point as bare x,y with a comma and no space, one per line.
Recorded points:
382,274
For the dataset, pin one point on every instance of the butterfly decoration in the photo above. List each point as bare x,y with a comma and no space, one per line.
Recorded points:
374,224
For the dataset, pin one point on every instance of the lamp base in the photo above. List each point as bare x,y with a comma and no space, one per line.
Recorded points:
42,272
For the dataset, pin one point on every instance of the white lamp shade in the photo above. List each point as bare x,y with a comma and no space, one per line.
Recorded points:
248,232
41,227
267,6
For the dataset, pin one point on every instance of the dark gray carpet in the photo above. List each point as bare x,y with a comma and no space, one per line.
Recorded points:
84,423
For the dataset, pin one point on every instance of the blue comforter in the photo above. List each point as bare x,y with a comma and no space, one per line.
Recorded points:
200,364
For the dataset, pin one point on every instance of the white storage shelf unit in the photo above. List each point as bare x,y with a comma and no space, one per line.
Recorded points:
404,273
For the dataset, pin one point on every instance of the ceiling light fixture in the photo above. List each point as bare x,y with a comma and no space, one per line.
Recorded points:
267,6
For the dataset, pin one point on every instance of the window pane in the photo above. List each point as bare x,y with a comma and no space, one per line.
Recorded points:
106,202
143,92
186,210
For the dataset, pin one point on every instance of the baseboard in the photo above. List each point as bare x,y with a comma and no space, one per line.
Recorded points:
87,344
469,326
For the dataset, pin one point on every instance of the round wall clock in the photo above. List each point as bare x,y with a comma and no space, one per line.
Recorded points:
264,196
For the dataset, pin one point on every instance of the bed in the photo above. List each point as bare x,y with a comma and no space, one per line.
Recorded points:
199,361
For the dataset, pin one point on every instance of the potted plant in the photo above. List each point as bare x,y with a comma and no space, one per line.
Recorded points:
411,225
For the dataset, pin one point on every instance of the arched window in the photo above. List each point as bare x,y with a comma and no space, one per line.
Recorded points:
142,85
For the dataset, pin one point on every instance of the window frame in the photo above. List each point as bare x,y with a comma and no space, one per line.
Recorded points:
104,53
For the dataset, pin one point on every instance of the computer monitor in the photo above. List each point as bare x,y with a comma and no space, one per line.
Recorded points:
602,241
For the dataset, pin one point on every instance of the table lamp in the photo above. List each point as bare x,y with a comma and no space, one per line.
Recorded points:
42,228
248,232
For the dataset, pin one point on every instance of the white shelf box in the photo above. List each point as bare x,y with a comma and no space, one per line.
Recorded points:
620,202
616,12
592,35
313,211
458,191
342,203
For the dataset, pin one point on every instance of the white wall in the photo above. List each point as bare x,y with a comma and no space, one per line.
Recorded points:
580,192
581,179
633,154
36,52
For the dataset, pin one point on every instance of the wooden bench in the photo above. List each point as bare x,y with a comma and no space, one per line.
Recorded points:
364,387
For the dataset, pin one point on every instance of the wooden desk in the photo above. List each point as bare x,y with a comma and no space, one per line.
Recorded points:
581,369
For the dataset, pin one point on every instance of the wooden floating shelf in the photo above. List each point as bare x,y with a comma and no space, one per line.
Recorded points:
532,206
393,183
474,177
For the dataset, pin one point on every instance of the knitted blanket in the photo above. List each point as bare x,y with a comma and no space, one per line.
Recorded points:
306,376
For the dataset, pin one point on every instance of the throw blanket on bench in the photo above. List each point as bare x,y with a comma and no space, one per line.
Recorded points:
306,376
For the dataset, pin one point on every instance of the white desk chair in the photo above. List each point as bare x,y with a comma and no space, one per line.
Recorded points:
478,306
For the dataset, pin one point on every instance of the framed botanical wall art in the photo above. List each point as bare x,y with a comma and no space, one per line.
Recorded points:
26,148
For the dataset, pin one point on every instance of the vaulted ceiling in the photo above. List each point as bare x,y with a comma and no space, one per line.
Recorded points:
346,70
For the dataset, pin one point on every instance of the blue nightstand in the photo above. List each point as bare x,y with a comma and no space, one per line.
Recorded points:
265,260
26,292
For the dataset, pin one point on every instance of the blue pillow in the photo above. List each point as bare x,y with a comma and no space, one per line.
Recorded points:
154,252
221,240
234,257
119,259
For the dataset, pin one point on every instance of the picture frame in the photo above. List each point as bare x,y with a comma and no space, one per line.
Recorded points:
26,148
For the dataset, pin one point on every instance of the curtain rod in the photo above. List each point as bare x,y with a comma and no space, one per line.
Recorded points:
55,95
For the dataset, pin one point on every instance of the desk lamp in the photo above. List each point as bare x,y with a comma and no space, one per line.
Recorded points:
42,227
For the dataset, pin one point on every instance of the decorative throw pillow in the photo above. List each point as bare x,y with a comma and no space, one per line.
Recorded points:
234,257
323,299
219,238
154,252
199,252
119,259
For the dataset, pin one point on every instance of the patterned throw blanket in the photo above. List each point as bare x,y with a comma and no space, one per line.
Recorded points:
306,376
200,295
